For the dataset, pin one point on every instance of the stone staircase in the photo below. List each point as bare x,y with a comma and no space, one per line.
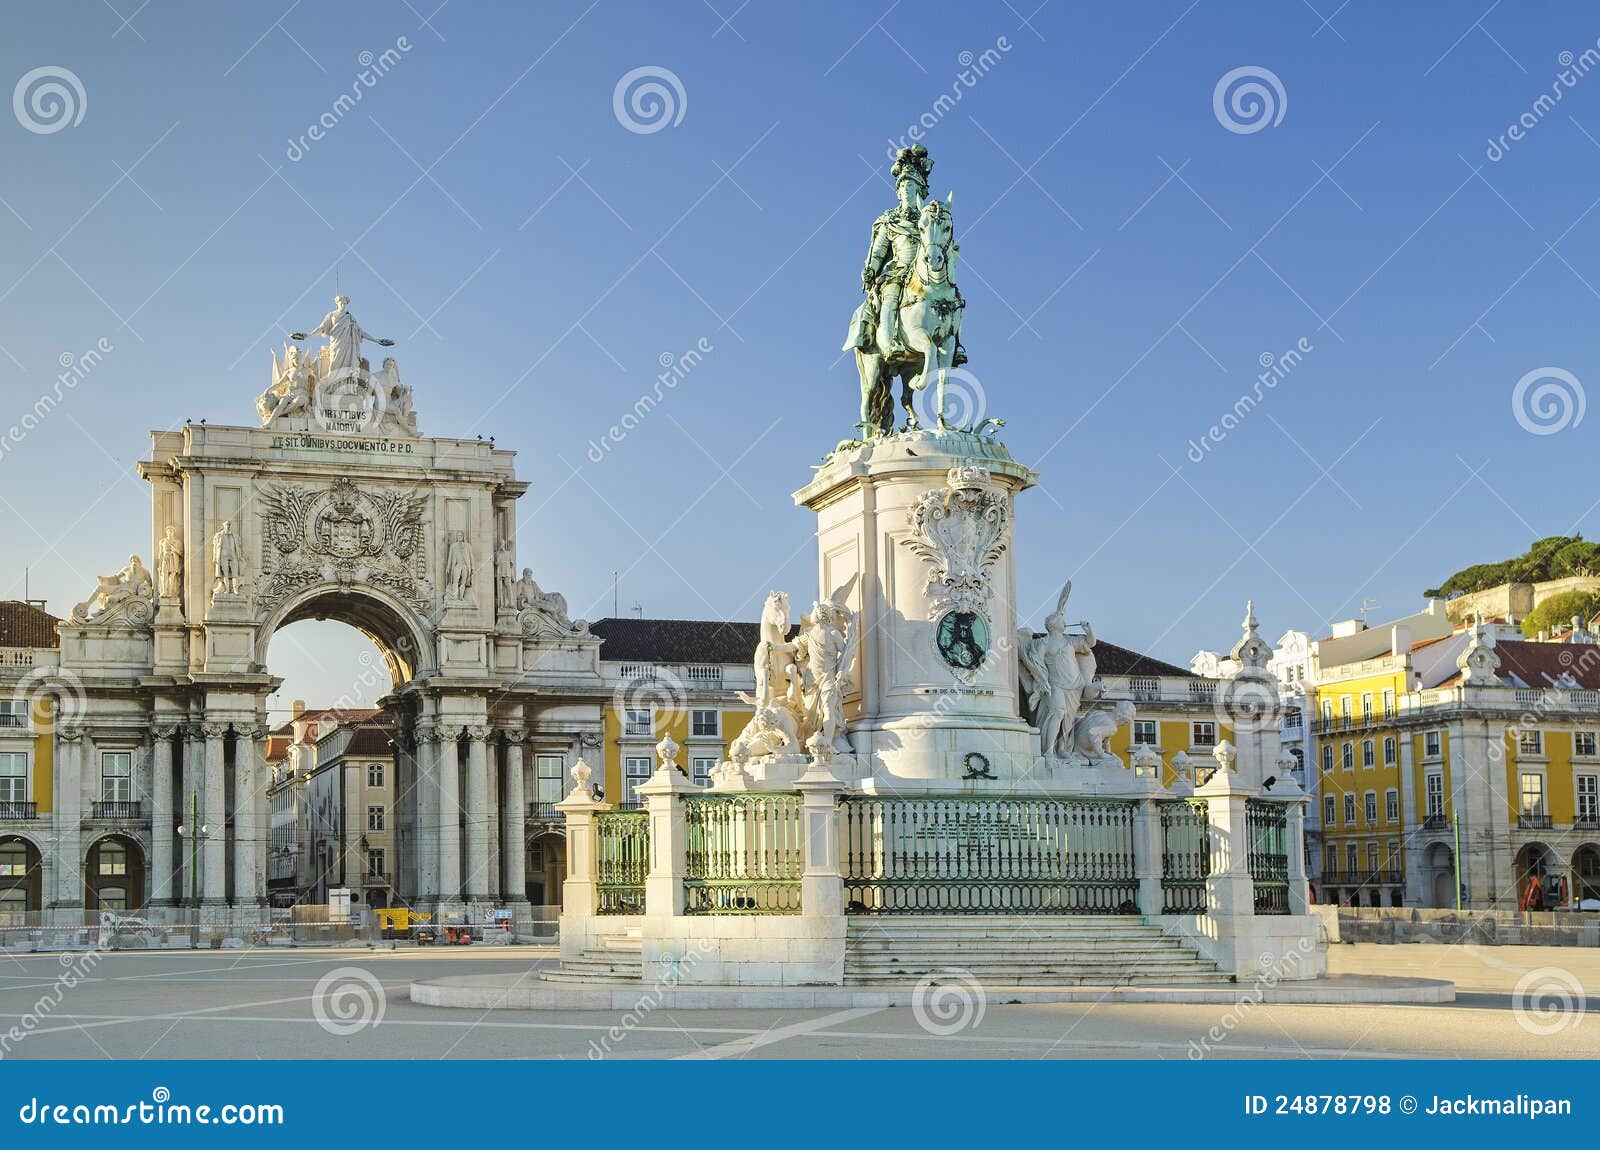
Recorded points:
1022,950
616,959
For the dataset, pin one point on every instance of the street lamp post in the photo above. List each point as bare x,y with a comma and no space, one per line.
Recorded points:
194,831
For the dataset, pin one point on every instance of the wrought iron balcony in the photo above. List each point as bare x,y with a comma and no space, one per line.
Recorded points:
119,811
1529,822
1435,823
543,813
1381,877
377,878
1586,823
19,810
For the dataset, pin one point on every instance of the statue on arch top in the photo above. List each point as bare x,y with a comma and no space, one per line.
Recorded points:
345,337
910,323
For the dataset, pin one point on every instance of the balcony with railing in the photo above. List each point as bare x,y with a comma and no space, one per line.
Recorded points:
1436,822
1533,821
543,813
122,810
18,810
1151,689
1382,876
692,676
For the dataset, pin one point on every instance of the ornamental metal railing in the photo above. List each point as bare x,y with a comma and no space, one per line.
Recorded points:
17,809
1267,828
622,859
743,853
1185,855
117,809
944,854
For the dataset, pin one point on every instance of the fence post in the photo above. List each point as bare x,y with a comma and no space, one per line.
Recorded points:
821,884
1229,889
1294,809
663,791
578,890
1147,842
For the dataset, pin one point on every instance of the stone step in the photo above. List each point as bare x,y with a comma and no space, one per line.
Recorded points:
1097,978
564,975
865,942
978,964
628,943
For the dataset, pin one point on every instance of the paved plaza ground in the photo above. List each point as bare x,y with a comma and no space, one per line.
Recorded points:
266,1004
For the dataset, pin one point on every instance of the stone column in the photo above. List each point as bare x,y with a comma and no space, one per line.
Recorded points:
67,818
821,884
449,813
491,825
161,816
1147,851
249,766
214,848
404,775
1294,812
425,793
514,833
476,885
1229,889
188,813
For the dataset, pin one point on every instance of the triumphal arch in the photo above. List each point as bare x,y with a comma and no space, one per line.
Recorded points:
334,505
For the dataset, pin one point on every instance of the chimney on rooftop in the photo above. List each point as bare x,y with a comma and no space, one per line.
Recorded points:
297,708
1400,640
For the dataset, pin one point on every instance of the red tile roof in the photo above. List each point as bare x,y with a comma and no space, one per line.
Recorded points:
1530,664
25,625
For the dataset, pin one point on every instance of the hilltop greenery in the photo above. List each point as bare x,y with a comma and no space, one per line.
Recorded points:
1556,613
1555,557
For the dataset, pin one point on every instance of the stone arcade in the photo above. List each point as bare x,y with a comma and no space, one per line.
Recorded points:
335,507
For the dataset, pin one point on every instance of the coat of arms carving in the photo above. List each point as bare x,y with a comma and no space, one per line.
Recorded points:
343,534
959,533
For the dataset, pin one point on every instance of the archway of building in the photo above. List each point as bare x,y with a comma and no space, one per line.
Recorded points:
347,650
1441,875
1586,874
21,880
547,867
1534,863
113,874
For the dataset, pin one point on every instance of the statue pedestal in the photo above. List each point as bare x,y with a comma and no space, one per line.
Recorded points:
922,522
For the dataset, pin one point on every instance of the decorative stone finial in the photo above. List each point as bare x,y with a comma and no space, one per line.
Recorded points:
581,774
1146,762
1225,754
667,752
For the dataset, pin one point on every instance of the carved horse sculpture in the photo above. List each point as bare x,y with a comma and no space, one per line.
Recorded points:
930,322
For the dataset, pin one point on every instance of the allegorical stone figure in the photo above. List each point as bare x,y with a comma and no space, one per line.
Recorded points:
1058,671
827,647
458,566
169,564
775,726
227,561
344,336
132,583
505,576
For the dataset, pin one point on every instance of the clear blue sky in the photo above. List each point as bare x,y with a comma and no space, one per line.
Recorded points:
1127,260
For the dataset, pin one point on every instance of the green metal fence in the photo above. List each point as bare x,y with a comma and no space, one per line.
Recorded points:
622,859
962,854
743,854
1185,855
1267,827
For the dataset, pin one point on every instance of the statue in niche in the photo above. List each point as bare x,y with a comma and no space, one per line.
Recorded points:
505,576
227,561
169,564
1057,670
458,567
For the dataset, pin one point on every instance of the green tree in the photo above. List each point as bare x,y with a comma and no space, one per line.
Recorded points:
1557,611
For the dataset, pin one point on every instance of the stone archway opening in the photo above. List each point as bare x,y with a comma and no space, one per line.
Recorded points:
21,880
546,867
1586,876
113,875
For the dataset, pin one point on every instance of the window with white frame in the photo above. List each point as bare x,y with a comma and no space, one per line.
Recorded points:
1532,793
1391,751
1588,789
13,712
1391,806
1344,707
1330,810
116,776
1333,860
1327,756
1431,741
1435,788
375,818
376,857
1369,754
1388,702
1205,734
702,770
1347,756
636,721
1530,742
1366,705
1583,743
1372,857
1369,806
1146,733
549,775
14,777
1349,810
635,770
1327,711
374,774
705,724
1350,857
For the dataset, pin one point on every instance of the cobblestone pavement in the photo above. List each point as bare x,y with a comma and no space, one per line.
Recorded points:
353,1004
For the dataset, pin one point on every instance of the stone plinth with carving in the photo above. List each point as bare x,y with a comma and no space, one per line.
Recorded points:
920,526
